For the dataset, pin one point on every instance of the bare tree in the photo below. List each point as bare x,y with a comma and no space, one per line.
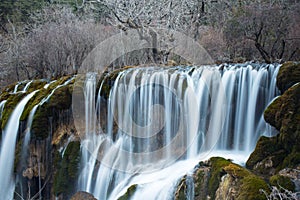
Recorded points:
267,27
145,16
59,41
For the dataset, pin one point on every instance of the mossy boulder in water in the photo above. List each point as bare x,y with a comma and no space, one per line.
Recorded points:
241,183
220,179
129,193
11,103
288,75
282,150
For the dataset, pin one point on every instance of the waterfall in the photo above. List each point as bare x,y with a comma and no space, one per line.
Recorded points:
16,87
2,104
27,86
168,119
7,153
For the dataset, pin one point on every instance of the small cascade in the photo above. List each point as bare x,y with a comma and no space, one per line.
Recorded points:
9,140
162,121
7,152
16,87
52,92
2,104
27,134
63,148
48,84
190,194
89,160
27,86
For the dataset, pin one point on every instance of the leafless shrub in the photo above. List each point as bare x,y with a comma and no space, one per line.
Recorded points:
281,193
267,27
54,43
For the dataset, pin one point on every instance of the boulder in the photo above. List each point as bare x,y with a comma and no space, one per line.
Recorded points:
83,196
288,75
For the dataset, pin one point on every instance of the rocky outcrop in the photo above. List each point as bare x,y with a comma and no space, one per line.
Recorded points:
283,150
83,196
50,161
220,179
272,156
288,75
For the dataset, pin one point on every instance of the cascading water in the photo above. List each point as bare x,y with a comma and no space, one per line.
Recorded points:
27,86
9,137
168,119
16,87
2,104
8,149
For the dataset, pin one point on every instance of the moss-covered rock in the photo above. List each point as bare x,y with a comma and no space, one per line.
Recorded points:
284,112
282,181
11,103
263,159
223,180
65,177
284,149
281,151
250,188
288,75
41,124
129,193
217,172
83,196
61,98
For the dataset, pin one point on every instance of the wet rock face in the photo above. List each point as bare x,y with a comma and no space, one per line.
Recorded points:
228,188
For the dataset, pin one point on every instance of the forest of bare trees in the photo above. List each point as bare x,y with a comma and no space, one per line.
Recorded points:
48,39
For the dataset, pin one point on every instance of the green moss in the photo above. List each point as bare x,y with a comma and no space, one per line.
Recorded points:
36,84
18,152
10,105
282,181
250,188
236,171
40,124
129,193
264,148
289,115
65,177
8,89
248,184
59,82
61,98
288,75
271,111
292,160
217,164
